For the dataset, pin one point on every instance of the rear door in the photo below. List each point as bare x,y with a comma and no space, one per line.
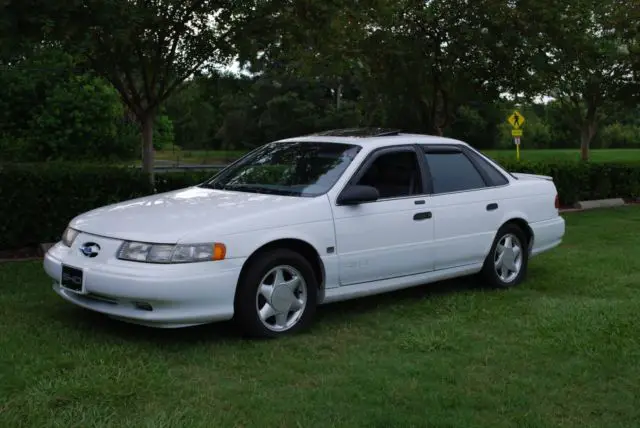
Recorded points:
465,202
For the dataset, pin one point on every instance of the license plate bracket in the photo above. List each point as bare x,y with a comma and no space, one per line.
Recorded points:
72,278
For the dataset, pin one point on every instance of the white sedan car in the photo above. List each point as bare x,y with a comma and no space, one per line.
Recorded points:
305,221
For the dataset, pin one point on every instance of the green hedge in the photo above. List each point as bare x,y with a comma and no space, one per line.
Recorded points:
38,201
579,181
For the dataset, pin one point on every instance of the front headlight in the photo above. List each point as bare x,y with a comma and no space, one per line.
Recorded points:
69,236
162,253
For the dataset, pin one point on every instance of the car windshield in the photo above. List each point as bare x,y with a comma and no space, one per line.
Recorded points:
289,168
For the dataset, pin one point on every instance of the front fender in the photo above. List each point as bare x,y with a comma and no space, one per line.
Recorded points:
320,235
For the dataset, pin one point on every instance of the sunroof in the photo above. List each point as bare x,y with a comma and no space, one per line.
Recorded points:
359,132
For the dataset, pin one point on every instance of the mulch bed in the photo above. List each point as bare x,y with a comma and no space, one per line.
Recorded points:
26,253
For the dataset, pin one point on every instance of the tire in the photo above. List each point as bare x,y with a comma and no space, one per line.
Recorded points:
507,278
268,284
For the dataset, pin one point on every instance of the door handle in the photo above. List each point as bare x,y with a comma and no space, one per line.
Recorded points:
492,207
422,216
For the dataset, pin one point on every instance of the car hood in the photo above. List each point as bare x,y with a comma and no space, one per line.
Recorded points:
167,217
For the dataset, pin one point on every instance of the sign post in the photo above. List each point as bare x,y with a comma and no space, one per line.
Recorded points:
516,120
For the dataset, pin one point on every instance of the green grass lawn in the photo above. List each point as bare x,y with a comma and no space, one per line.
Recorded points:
612,155
561,350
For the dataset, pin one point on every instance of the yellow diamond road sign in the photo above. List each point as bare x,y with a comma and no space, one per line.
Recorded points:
516,119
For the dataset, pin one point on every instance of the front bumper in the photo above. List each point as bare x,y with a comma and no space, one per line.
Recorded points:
155,295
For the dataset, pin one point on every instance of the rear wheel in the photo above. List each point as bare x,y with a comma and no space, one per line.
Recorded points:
507,261
277,295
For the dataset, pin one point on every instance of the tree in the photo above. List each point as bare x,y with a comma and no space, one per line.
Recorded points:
413,62
308,39
52,109
147,48
197,112
589,67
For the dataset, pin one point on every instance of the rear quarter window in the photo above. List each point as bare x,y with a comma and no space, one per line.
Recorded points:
496,178
453,172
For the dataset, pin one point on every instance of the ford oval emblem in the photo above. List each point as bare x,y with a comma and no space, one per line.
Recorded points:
90,249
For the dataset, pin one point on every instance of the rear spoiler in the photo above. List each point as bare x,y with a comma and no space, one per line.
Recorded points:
521,175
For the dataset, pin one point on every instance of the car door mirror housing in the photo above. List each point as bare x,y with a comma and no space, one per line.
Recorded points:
356,194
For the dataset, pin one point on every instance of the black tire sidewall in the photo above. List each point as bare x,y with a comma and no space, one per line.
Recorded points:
489,272
245,312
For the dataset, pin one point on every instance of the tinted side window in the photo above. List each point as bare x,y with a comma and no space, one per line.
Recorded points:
497,179
394,174
453,172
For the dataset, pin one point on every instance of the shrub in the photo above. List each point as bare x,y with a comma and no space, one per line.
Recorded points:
38,201
578,181
166,182
79,120
60,114
163,135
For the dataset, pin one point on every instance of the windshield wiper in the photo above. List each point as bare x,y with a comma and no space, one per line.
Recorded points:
209,186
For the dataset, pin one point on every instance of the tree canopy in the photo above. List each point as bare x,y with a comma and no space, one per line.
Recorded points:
441,67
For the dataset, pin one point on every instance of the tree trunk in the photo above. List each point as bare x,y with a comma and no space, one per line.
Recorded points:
587,132
439,112
432,116
147,146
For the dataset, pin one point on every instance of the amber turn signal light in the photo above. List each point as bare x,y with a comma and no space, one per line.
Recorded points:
219,251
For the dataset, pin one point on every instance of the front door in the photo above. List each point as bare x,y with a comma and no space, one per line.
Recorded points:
392,236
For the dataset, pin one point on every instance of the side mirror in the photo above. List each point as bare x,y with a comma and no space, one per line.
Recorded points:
354,195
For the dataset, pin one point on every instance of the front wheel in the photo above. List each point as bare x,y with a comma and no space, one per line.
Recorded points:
277,295
507,261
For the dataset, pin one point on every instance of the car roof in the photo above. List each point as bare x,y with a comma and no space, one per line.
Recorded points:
372,137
